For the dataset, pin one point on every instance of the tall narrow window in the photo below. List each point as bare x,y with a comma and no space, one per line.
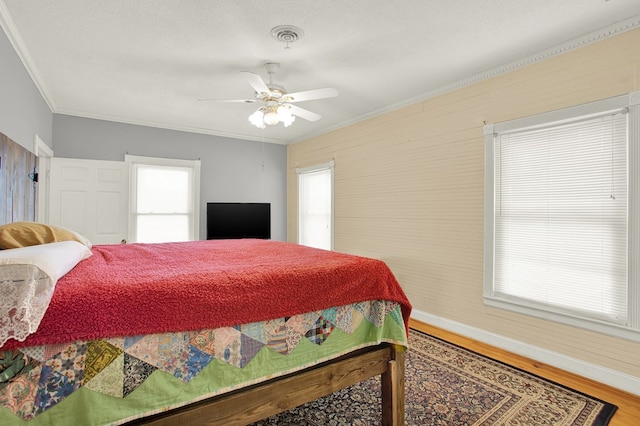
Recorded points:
315,206
561,240
164,199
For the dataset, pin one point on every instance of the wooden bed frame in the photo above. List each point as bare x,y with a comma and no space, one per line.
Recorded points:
248,405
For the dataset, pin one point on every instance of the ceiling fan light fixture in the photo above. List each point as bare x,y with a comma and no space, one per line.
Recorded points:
271,115
289,121
257,118
271,118
284,112
285,115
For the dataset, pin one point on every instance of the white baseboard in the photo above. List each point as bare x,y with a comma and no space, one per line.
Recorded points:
595,372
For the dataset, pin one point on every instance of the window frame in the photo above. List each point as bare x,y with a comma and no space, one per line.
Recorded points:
311,169
194,215
630,330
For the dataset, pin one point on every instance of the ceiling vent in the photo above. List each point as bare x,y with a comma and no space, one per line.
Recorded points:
287,34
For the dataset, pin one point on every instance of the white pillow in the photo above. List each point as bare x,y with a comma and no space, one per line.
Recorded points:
28,276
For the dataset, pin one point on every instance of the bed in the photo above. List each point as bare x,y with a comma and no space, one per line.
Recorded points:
204,332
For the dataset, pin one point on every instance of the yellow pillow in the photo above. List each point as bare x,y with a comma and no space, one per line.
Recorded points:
24,234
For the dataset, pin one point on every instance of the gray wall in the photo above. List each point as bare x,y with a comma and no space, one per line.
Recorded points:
231,169
23,111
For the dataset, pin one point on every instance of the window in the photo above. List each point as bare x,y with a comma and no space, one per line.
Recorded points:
315,206
561,216
164,199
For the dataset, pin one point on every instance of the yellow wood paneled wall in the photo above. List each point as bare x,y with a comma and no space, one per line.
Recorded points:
409,188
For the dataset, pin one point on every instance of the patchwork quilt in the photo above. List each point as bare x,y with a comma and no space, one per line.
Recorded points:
124,378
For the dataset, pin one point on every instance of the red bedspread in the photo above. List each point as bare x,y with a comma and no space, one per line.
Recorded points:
132,289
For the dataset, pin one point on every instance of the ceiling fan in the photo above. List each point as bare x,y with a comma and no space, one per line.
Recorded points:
277,103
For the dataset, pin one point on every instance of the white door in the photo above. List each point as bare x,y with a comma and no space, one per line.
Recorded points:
90,197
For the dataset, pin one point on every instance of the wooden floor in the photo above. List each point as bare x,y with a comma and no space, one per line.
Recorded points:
628,412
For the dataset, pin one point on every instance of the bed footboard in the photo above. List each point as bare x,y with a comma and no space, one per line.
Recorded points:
266,399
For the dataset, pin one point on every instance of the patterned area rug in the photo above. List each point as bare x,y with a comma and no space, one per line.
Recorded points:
448,385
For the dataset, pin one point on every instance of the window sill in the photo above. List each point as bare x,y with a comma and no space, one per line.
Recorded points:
597,326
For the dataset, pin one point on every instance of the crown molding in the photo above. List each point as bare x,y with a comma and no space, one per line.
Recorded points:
11,30
557,50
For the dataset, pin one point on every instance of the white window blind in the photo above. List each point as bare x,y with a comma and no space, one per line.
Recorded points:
561,226
561,216
315,206
164,199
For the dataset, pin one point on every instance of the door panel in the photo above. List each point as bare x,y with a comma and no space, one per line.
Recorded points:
90,197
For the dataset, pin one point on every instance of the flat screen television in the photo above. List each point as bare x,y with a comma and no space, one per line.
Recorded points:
238,220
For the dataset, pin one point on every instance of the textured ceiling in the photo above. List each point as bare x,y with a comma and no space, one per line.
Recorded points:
149,61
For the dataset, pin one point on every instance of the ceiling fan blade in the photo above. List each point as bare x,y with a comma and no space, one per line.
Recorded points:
248,101
256,82
304,113
327,92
